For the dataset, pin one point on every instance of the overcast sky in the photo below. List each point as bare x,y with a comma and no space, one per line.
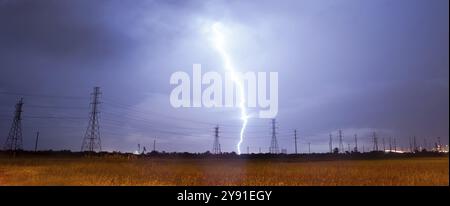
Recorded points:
360,66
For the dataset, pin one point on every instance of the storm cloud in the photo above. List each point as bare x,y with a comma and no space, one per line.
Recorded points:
360,66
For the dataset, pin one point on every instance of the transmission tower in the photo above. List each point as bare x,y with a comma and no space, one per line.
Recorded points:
274,143
375,142
384,145
216,146
390,144
425,145
395,144
309,147
14,139
438,146
415,144
410,144
356,143
295,139
91,141
331,143
36,143
341,144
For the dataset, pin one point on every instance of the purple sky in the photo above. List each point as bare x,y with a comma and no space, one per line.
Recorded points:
360,66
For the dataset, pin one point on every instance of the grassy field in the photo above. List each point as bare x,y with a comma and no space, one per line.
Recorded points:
111,171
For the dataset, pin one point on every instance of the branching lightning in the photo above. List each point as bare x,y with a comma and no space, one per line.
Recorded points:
219,44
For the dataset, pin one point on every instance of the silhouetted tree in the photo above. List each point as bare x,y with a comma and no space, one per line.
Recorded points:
335,150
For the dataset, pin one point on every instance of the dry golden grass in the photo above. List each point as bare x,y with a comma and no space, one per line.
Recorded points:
100,171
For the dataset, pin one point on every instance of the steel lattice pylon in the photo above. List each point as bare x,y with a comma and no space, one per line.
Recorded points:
274,143
91,141
14,139
216,146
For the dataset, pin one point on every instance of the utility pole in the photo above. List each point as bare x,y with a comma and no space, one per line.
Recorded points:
14,140
295,140
331,143
274,143
384,145
248,150
348,145
91,141
356,143
260,150
216,146
36,143
154,145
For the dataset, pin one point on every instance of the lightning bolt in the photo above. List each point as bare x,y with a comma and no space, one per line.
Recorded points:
219,44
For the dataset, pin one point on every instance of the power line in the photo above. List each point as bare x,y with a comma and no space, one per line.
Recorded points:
171,132
153,123
56,107
113,122
52,117
42,95
171,118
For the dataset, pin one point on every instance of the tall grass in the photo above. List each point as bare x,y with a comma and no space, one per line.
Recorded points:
107,171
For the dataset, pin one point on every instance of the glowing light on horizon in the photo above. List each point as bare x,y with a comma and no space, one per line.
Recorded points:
219,44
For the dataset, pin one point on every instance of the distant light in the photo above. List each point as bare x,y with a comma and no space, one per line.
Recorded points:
394,151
